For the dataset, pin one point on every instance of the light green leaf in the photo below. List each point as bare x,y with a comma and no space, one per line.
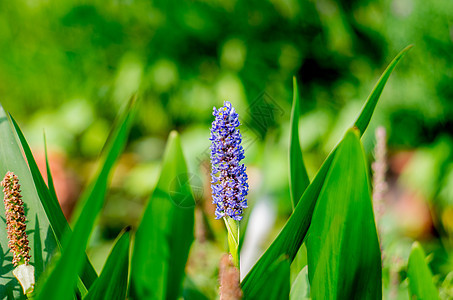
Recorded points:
298,178
300,290
61,282
40,236
344,258
293,233
165,233
421,284
112,282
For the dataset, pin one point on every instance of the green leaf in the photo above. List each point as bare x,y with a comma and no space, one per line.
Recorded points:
274,284
344,258
367,111
298,178
165,233
39,233
293,233
233,239
50,184
61,282
300,290
50,203
421,284
112,282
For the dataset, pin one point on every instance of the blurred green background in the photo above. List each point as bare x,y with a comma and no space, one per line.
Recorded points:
68,67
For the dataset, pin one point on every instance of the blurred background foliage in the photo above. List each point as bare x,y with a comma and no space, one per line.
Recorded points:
68,67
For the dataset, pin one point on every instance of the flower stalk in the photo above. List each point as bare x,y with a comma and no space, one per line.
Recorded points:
16,227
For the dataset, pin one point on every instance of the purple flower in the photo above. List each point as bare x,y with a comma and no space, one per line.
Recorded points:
229,180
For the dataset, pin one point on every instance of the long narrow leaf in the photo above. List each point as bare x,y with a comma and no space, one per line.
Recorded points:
112,282
298,178
344,258
49,202
293,233
61,282
367,111
40,236
165,233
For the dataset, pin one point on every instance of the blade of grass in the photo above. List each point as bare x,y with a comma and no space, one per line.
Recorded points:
344,258
49,202
298,177
421,284
293,233
112,282
165,232
61,281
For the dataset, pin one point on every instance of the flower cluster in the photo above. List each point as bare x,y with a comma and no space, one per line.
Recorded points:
15,219
229,180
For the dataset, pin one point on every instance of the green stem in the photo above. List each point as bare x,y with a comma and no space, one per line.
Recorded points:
233,239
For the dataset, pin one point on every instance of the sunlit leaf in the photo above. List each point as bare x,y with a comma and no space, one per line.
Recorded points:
42,240
49,202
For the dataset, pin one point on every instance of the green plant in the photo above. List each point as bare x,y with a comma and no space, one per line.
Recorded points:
332,214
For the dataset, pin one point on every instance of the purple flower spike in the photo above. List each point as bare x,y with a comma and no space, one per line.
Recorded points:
229,180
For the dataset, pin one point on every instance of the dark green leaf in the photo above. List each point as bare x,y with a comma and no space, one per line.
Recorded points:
165,233
40,235
298,178
344,258
112,282
293,233
62,280
275,284
421,284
